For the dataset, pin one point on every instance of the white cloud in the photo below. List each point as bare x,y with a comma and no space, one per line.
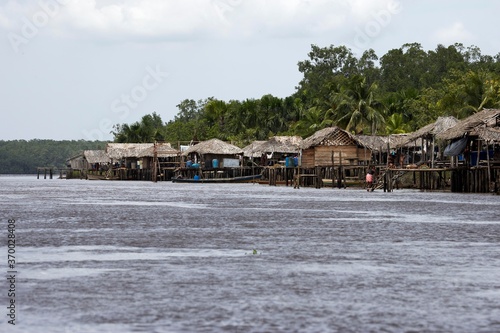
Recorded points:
173,19
452,34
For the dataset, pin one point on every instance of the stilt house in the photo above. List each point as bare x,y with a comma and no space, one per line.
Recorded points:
333,145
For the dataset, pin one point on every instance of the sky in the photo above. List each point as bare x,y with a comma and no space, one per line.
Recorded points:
71,69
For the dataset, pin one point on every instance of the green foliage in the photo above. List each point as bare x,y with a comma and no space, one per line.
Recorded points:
23,157
395,124
357,108
149,129
403,90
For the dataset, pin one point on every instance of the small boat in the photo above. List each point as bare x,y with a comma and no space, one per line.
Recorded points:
241,179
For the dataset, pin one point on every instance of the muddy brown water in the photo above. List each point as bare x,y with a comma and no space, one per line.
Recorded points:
97,256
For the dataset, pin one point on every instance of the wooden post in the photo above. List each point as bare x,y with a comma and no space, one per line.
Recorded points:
489,167
380,156
385,180
339,177
422,153
286,175
253,167
388,153
478,151
432,153
37,173
333,170
50,173
44,173
155,163
413,152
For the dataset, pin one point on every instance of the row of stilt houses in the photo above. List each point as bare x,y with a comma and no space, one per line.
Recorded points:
461,156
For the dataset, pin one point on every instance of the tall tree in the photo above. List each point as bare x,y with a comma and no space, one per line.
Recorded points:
403,68
323,71
357,108
395,124
149,129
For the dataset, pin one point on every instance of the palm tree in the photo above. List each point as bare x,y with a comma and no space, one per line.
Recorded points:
355,107
395,124
313,120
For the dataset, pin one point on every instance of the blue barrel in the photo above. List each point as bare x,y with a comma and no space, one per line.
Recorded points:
196,177
288,162
196,165
215,163
189,164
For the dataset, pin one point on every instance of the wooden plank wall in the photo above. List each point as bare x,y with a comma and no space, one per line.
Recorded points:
308,158
323,155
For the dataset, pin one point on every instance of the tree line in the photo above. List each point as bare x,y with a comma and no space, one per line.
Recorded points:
399,92
23,157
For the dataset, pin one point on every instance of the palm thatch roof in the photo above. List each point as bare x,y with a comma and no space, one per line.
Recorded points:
379,143
138,150
163,149
213,146
484,122
331,136
253,149
96,156
275,144
489,134
439,126
374,142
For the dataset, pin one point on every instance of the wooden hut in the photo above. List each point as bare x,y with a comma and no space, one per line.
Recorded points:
214,153
333,146
76,162
475,141
143,160
253,150
273,150
385,148
475,133
95,159
88,160
426,137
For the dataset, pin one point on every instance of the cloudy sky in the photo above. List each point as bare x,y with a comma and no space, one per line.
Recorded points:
73,68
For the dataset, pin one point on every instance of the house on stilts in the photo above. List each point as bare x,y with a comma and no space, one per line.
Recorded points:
474,152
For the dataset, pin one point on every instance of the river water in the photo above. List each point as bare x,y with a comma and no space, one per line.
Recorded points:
98,256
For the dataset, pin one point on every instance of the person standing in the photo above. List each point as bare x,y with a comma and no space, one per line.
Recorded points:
369,180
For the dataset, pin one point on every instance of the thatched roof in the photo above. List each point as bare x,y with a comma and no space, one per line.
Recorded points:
253,149
138,150
163,149
276,144
379,143
439,126
374,142
215,147
331,136
96,156
489,134
479,123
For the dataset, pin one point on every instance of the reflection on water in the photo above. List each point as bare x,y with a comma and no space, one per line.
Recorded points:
97,256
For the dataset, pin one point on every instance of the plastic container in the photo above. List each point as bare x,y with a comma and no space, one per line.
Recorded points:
288,162
196,177
215,163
